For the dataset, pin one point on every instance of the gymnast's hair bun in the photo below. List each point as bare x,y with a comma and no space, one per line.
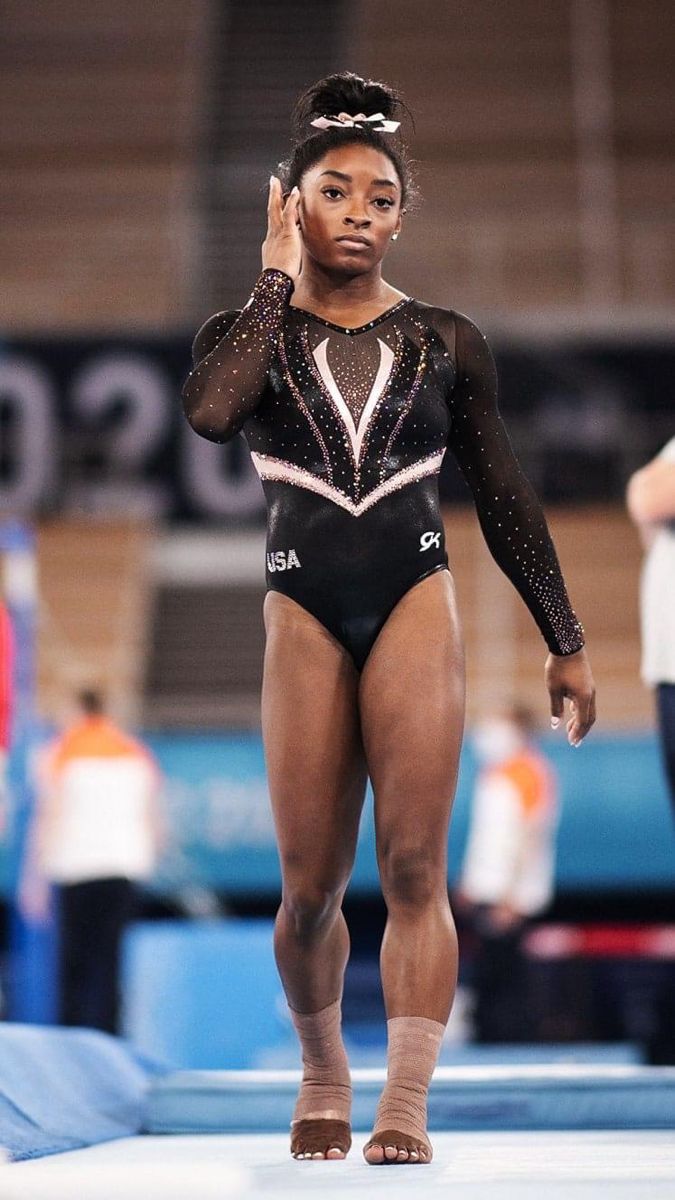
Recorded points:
348,93
343,92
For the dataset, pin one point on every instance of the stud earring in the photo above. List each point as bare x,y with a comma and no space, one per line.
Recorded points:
394,237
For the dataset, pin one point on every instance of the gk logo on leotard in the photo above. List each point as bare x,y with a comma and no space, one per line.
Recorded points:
430,539
282,560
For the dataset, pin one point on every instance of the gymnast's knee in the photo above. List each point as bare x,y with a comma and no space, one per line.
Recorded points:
413,879
309,909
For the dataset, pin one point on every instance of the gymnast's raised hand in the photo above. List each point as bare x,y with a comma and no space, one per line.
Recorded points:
282,248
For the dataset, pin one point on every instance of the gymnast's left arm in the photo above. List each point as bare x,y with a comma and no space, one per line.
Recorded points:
514,526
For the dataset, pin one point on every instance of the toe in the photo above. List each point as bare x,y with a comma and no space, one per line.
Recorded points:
373,1153
389,1146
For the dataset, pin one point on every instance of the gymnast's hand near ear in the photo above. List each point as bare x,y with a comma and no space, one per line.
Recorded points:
282,248
570,675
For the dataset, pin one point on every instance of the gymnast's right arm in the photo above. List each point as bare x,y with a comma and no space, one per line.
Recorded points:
232,354
233,351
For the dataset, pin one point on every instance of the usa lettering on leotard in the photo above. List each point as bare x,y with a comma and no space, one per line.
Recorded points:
282,560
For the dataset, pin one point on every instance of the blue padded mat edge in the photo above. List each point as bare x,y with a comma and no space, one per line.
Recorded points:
460,1098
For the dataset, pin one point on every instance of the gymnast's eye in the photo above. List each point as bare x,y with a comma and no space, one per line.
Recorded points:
327,190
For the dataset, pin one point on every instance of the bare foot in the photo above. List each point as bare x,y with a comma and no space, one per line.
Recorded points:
320,1137
390,1146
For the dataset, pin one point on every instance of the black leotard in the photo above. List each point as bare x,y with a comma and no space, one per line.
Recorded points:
347,429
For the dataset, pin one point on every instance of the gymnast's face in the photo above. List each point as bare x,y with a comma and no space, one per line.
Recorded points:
353,191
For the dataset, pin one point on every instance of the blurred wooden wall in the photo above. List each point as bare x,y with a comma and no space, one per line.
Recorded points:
98,142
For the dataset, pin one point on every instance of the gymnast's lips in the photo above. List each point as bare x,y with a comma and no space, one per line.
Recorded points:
354,241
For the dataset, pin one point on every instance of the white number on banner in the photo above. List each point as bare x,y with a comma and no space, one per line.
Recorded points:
144,393
28,448
207,485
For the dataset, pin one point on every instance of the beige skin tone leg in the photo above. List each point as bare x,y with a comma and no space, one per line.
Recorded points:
317,781
411,699
407,708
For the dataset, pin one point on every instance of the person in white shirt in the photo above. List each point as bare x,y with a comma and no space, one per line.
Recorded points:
96,836
508,870
650,499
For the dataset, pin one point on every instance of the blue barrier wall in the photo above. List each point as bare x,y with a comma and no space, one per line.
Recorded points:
616,829
203,993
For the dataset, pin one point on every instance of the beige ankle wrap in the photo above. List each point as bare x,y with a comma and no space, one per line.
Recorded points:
326,1089
413,1046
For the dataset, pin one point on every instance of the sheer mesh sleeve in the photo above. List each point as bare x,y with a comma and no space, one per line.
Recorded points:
232,354
509,512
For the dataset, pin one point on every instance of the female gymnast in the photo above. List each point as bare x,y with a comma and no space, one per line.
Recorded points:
348,393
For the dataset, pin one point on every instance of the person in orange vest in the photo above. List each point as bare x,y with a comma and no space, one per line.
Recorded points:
97,834
508,870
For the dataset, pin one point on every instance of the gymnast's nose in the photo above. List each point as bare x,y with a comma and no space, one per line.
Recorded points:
357,220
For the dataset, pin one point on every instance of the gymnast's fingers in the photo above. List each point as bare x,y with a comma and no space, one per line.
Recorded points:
583,708
274,206
557,705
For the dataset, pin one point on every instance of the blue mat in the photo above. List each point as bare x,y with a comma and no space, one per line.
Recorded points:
64,1089
556,1096
61,1089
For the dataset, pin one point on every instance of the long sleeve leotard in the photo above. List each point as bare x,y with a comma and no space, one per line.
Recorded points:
347,429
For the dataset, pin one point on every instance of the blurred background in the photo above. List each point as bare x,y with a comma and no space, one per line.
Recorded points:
136,142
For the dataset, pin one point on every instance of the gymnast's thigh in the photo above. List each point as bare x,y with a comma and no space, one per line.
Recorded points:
411,699
313,749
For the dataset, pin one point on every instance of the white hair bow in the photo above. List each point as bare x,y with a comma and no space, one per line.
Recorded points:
347,121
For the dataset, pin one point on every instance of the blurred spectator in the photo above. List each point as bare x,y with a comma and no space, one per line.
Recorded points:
650,497
6,670
6,691
96,836
507,875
